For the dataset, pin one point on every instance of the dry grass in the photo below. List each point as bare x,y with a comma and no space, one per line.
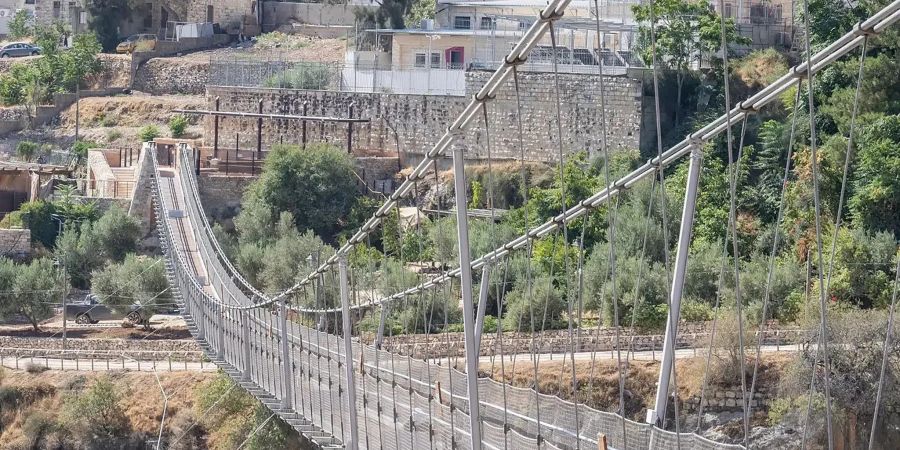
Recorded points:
129,110
598,384
142,399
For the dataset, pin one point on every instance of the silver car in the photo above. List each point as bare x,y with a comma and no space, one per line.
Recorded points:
16,49
92,311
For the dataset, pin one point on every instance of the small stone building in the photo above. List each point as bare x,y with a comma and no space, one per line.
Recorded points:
159,16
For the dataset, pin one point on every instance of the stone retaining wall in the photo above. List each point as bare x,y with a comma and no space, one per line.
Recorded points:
167,76
8,343
15,243
414,123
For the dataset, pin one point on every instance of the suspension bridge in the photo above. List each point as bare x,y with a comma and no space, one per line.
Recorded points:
309,365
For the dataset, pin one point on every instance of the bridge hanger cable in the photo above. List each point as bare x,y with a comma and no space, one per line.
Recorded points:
774,253
565,228
888,337
823,303
876,23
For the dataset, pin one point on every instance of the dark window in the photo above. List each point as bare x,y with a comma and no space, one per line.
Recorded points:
435,60
727,10
487,23
462,23
420,60
209,13
148,19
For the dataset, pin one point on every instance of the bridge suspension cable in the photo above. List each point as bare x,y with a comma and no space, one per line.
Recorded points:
468,406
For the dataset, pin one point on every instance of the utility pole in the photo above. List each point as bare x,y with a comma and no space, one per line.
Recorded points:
77,109
64,305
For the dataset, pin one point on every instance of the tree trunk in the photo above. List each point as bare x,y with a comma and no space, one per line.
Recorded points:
680,80
34,323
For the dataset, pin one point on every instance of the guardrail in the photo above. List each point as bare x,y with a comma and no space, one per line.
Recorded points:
106,360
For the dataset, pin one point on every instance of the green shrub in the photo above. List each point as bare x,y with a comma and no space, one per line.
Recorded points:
543,299
696,311
14,85
95,413
136,279
490,324
108,121
21,24
118,233
34,368
80,148
27,150
36,216
177,125
314,76
148,133
113,135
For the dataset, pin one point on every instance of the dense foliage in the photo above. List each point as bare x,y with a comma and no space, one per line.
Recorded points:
58,70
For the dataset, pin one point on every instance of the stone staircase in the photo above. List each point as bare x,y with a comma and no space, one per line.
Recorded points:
124,181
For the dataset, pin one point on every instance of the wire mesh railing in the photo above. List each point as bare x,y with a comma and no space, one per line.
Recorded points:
282,361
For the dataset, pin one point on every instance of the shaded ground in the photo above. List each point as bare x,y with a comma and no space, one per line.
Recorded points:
101,333
598,383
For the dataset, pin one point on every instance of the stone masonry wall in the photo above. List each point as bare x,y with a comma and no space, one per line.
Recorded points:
163,76
15,242
17,345
221,195
415,122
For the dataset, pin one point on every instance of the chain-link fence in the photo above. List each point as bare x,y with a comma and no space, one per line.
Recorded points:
277,72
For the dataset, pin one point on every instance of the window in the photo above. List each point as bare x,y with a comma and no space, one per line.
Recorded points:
779,10
728,10
525,24
462,22
29,2
435,60
148,19
420,60
487,23
56,9
209,13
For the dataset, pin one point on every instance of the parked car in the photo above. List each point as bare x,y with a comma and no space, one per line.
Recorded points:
92,311
16,49
137,42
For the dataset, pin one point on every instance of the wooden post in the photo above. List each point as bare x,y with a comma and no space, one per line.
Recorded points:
601,442
216,131
350,131
305,105
259,124
439,392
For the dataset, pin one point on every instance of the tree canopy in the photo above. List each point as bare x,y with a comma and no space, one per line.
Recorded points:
316,185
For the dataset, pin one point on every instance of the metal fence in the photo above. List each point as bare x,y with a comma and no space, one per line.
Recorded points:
105,360
277,72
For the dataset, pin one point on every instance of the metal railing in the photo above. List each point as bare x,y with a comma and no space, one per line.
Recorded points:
105,360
